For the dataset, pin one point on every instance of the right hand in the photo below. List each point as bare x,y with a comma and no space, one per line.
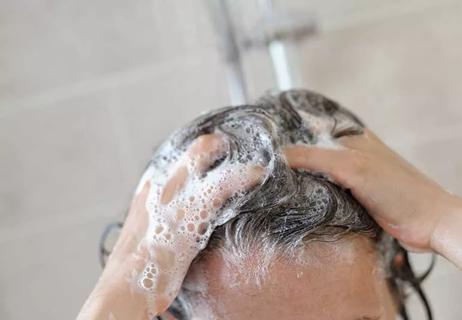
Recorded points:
403,201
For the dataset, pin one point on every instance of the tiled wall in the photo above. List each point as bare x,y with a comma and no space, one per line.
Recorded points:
87,89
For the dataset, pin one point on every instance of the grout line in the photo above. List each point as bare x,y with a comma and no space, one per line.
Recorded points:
105,82
51,223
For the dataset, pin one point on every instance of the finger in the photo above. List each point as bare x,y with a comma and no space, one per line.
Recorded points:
234,180
359,141
202,153
205,150
340,165
174,184
136,223
139,203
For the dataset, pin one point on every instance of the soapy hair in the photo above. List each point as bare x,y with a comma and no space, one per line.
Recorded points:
291,207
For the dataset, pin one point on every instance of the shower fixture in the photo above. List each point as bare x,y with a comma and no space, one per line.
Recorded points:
274,29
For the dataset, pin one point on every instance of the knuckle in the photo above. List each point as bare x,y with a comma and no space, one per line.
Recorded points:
205,143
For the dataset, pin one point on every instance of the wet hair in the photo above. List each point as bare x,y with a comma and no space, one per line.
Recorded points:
291,207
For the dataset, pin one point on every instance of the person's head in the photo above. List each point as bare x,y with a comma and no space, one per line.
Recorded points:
297,246
300,247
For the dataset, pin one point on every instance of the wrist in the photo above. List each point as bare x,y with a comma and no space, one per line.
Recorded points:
446,238
97,305
116,294
113,298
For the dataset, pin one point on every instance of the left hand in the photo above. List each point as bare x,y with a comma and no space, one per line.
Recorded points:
115,293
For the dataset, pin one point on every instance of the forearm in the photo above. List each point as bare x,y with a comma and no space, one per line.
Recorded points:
113,301
447,236
116,296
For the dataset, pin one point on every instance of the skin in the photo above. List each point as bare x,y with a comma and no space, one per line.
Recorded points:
296,291
414,209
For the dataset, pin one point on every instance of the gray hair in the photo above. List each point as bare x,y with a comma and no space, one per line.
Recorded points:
291,205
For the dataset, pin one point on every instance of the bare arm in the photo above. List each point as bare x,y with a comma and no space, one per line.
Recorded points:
407,204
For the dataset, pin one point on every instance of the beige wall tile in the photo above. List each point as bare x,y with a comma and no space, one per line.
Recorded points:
48,275
48,44
441,159
401,75
57,161
147,112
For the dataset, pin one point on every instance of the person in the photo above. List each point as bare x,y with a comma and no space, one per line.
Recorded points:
285,236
